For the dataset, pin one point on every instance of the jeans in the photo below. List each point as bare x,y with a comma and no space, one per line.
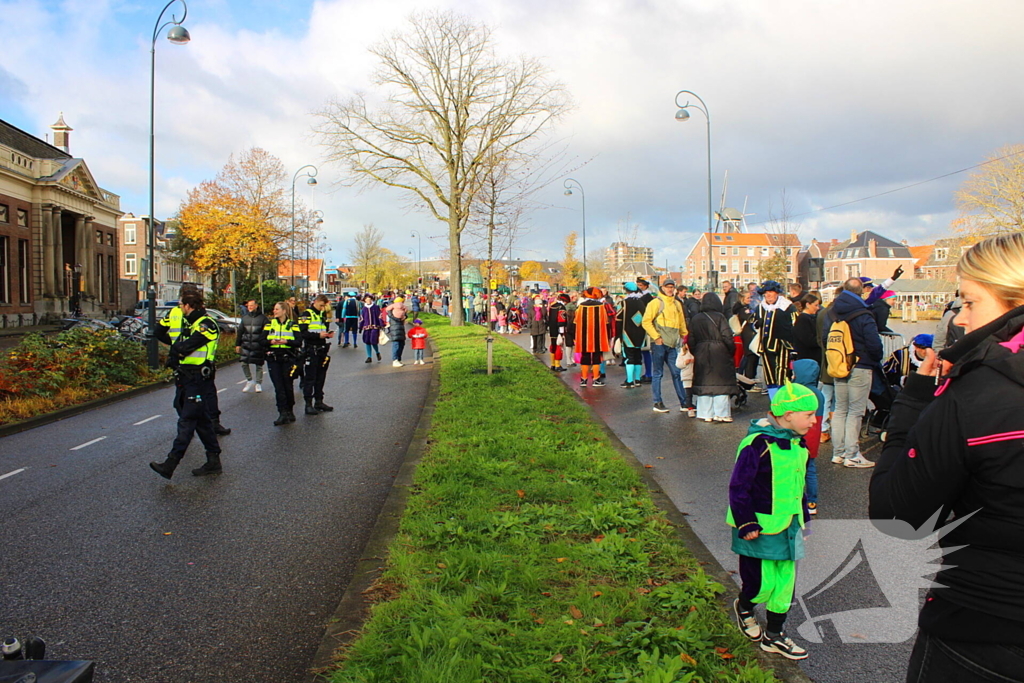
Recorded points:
397,346
249,375
851,402
444,310
944,661
828,391
713,406
418,353
811,481
660,356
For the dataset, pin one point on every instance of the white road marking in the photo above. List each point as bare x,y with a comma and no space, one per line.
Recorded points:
11,474
87,443
242,382
222,390
148,419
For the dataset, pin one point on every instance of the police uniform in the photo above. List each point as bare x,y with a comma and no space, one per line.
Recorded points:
169,331
314,367
282,358
192,356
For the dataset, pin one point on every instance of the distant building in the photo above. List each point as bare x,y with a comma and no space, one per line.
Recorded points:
306,274
58,231
941,261
133,236
620,253
736,256
868,254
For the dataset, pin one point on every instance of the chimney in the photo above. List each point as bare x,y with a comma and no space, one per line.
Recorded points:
60,134
871,248
853,235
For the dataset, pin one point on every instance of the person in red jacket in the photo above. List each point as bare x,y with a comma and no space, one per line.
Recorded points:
418,334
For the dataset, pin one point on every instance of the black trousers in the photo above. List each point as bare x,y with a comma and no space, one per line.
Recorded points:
193,415
210,400
634,355
284,384
314,372
945,661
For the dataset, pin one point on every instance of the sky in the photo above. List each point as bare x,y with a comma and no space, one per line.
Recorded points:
820,101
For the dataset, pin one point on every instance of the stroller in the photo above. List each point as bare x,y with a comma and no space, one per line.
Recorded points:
744,384
886,383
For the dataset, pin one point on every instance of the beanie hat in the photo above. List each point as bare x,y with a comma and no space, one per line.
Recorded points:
417,321
925,341
630,286
793,398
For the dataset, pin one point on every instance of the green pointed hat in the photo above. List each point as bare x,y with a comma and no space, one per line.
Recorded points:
793,398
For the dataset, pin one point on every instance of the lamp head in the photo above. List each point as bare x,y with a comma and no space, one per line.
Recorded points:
682,115
319,221
311,181
568,192
178,35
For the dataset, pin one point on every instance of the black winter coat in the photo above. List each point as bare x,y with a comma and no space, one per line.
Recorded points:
962,451
805,337
867,345
711,343
252,338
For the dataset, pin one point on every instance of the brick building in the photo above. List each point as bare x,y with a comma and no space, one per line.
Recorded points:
868,254
736,256
58,231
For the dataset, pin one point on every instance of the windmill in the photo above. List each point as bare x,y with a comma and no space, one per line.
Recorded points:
727,219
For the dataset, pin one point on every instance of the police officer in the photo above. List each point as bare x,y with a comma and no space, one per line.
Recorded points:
282,357
172,326
192,358
316,343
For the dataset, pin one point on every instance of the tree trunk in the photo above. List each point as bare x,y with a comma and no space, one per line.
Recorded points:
455,275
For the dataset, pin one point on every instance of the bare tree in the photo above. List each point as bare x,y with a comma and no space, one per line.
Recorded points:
778,228
367,254
992,199
452,109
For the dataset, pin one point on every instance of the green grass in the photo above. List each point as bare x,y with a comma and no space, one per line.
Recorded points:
530,551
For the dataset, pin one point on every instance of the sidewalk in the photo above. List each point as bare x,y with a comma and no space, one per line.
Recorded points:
693,460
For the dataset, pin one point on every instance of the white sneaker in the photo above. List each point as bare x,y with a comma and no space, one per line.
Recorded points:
396,364
247,387
858,461
838,459
259,388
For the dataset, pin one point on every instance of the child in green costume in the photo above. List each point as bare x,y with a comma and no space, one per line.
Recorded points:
767,511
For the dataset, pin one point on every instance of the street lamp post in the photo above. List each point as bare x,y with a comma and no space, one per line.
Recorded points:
178,35
583,196
319,215
311,180
419,261
683,115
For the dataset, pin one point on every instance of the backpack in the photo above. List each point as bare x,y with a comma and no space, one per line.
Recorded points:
839,355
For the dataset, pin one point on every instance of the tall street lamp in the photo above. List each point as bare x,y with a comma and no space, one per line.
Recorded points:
319,215
311,180
178,35
683,115
419,262
568,184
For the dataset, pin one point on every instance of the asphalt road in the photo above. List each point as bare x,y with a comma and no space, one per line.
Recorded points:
692,461
229,577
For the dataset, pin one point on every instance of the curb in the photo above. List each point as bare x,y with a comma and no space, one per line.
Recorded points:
785,669
71,411
348,618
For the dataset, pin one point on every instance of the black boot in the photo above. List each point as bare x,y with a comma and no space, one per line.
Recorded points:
310,408
212,466
219,429
282,418
166,468
290,415
369,360
323,407
378,356
345,345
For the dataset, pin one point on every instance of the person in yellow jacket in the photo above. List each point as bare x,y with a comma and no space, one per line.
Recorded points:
665,325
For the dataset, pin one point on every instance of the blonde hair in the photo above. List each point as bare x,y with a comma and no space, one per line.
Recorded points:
997,263
289,313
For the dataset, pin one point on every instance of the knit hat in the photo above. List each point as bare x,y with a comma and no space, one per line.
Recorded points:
793,398
925,341
630,286
417,321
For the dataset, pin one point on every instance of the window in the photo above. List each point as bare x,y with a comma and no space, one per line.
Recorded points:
5,272
724,267
100,280
112,277
129,233
789,266
722,251
746,266
765,251
99,237
941,254
735,266
5,214
110,239
728,238
735,251
750,251
131,264
23,218
23,257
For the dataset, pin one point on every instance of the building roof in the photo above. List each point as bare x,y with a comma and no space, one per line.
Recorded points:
313,267
923,286
921,254
637,268
27,144
858,246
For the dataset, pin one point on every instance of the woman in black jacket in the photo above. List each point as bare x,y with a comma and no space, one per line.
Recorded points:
805,329
956,445
251,345
714,375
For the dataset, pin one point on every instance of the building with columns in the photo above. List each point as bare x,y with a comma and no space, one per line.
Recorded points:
58,232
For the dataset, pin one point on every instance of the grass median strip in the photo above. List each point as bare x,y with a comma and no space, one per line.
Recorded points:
530,551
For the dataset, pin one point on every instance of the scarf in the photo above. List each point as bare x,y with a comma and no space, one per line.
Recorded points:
781,304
